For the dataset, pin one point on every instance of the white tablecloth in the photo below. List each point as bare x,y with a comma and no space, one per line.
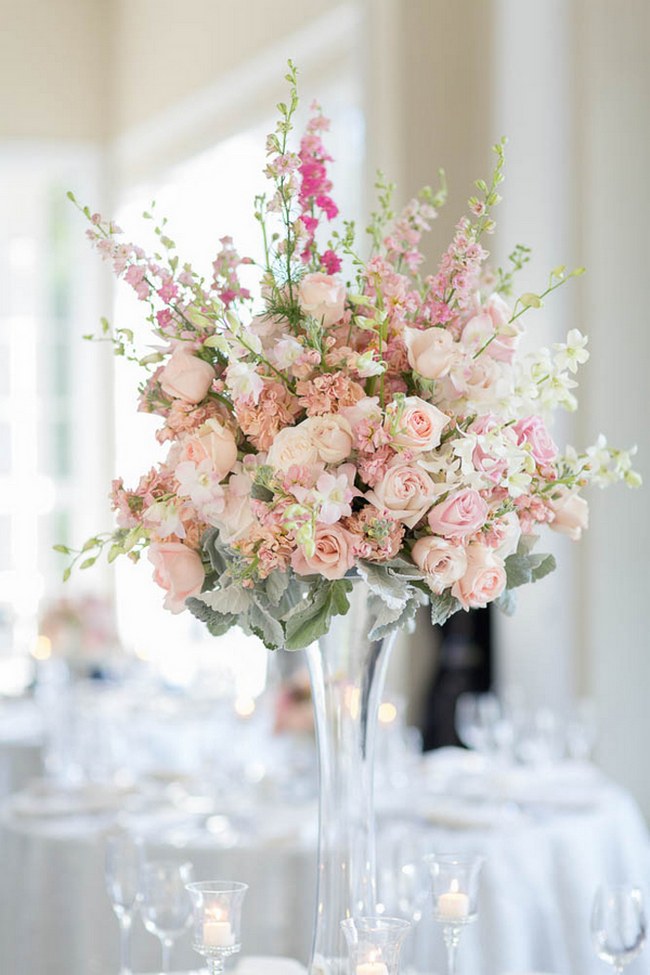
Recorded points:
21,746
544,861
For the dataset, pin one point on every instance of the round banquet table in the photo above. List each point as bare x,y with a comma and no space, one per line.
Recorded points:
549,841
21,745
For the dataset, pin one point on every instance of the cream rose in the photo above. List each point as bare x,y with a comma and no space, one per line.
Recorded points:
178,570
213,442
459,515
331,434
323,297
431,351
483,580
237,516
419,426
333,555
443,562
186,377
405,491
293,447
570,511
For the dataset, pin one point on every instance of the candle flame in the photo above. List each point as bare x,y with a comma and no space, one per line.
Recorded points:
216,914
387,712
455,887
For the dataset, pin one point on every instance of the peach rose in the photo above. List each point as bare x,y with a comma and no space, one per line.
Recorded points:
532,430
461,514
212,442
323,297
178,570
293,447
186,377
333,555
570,511
483,580
331,434
443,562
431,351
420,424
405,491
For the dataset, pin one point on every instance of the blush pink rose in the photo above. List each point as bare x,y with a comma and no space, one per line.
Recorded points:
333,555
420,424
483,580
323,297
178,570
461,514
570,513
532,430
443,562
332,436
186,377
405,491
212,442
431,351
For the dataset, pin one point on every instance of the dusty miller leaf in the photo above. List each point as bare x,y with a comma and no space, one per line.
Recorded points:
442,607
395,592
507,602
229,600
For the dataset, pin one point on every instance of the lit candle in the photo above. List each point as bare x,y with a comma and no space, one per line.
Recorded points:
217,931
372,966
454,905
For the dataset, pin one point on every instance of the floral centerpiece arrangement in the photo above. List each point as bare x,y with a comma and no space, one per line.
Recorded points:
385,423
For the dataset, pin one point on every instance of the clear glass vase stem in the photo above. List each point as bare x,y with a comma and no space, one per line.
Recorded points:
451,934
125,944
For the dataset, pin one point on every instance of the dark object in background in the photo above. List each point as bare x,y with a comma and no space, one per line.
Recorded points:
465,665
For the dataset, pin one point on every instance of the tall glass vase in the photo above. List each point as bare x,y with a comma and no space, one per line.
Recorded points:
347,673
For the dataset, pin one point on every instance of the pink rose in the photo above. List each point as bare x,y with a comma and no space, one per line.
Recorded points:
331,434
419,425
333,555
443,562
479,380
178,570
323,297
212,442
570,511
186,377
532,430
431,351
406,491
461,514
484,579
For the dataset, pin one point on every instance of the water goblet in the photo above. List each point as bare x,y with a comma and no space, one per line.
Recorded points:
374,944
455,891
166,907
216,910
122,878
618,925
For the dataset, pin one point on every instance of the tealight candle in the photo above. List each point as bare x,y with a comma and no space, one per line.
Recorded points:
454,905
371,968
218,933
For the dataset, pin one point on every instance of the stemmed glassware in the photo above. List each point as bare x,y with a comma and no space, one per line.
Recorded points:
618,925
455,892
166,906
374,944
216,911
122,877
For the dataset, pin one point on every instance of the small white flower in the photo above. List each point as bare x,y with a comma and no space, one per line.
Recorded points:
573,353
243,381
366,365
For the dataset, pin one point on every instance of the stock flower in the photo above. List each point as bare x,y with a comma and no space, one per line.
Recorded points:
178,570
186,377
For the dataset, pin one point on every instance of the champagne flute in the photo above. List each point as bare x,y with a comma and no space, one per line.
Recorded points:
166,906
122,878
618,925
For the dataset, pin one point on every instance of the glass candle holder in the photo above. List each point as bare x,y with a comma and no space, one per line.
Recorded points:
455,897
374,944
216,912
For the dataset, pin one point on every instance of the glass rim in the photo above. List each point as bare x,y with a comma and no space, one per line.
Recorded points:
380,921
454,859
216,887
620,889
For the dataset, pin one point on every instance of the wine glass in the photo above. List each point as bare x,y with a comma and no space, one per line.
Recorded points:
618,925
166,906
122,878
